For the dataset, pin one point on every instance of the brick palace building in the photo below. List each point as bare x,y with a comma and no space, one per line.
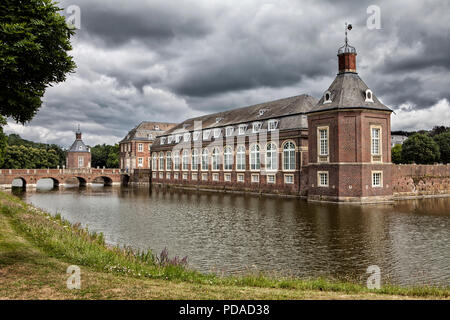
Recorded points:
337,148
134,149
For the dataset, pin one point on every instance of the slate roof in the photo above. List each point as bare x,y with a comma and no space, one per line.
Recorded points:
272,110
348,91
79,146
142,131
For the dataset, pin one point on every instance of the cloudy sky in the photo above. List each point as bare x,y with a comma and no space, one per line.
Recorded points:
167,60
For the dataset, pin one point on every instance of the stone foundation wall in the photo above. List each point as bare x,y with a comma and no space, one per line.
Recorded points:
420,180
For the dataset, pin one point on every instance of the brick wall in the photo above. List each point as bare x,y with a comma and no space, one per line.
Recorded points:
418,180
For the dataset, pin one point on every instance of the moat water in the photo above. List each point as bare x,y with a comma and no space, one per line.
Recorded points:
236,233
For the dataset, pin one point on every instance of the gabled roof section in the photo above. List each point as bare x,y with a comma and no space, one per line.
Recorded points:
263,111
147,131
348,91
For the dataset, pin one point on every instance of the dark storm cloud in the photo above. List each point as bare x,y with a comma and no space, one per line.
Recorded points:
169,60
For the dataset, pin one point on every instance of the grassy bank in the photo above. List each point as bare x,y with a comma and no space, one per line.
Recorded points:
36,249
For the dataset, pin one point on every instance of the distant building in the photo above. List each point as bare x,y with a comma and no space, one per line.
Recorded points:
79,155
135,147
397,139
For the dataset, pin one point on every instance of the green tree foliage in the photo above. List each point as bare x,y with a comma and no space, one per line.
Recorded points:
16,140
103,155
20,157
443,141
3,143
34,40
421,149
397,154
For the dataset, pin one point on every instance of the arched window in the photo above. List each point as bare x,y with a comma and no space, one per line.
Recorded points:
240,158
194,166
271,157
168,161
228,158
289,156
185,160
205,159
176,160
154,162
161,161
255,161
216,159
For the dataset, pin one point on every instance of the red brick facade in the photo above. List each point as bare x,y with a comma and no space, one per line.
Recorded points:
73,160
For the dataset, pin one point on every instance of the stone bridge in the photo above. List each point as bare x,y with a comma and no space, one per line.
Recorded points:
85,177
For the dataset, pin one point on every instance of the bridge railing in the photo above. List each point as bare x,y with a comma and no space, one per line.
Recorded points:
81,171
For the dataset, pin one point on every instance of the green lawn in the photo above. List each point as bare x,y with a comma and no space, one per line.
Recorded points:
36,249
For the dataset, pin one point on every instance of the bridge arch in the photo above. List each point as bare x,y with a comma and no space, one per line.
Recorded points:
107,181
55,181
21,180
125,179
81,181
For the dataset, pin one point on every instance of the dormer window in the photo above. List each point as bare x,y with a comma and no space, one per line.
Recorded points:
206,134
163,140
216,133
242,129
150,136
187,137
229,131
256,127
195,135
170,139
80,148
369,95
262,111
273,125
327,97
156,127
218,119
178,138
186,125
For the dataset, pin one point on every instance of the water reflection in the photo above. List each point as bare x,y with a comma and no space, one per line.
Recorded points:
409,240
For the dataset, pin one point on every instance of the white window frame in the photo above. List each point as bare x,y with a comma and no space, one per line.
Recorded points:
176,175
255,155
205,176
227,177
217,133
140,147
176,160
205,159
242,129
320,140
240,165
215,177
170,139
167,175
168,161
194,176
240,177
229,131
163,140
291,177
271,157
272,125
196,135
379,140
185,160
80,161
380,182
271,179
215,159
228,158
178,138
289,164
154,161
187,137
255,178
206,134
161,161
319,180
256,127
140,162
194,161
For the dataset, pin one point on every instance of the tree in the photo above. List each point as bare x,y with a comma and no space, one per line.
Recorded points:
443,141
103,155
421,149
34,40
397,154
3,142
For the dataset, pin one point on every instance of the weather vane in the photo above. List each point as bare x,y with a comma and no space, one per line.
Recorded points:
348,27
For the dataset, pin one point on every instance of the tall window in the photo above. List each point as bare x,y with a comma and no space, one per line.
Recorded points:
255,161
376,141
240,158
271,156
176,160
228,158
322,178
140,147
289,156
154,161
377,178
161,161
168,161
216,159
205,160
194,166
80,162
323,141
140,162
185,160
